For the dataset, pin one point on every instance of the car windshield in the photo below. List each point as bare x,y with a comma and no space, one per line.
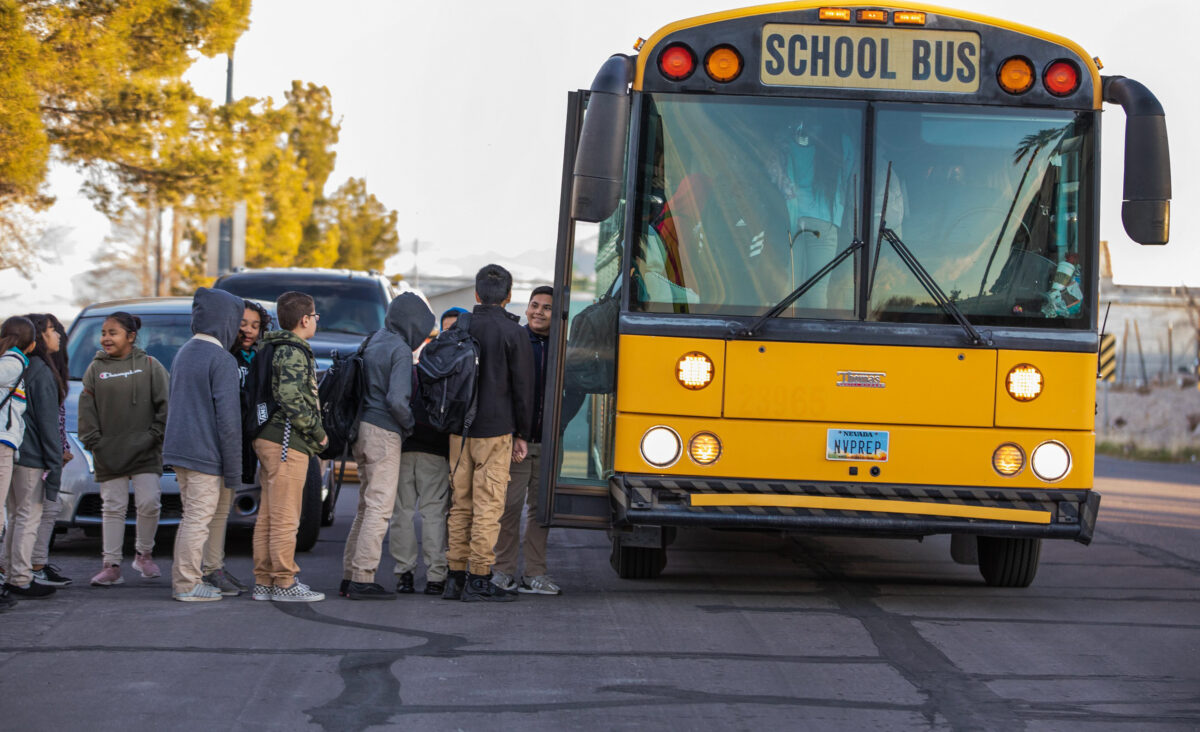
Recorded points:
161,336
355,307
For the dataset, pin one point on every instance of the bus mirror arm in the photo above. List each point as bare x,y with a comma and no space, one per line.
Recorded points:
1146,208
599,171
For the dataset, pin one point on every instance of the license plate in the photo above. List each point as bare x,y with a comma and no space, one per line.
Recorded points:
857,445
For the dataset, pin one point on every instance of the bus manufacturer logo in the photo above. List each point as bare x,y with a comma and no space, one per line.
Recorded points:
862,379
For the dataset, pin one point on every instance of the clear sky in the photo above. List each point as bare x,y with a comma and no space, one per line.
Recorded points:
454,112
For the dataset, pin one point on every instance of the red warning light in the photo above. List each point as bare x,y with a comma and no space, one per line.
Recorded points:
1061,78
677,62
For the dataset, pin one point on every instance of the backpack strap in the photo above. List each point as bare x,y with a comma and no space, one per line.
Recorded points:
20,378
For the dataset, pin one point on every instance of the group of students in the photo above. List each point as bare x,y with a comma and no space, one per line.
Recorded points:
469,490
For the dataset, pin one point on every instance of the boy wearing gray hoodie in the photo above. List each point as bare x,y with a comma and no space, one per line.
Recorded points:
204,433
386,421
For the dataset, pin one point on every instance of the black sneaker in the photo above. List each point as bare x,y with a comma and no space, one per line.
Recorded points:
404,584
480,588
344,588
455,580
31,591
49,575
368,591
7,601
435,588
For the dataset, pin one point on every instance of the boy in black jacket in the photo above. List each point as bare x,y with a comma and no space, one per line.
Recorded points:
503,424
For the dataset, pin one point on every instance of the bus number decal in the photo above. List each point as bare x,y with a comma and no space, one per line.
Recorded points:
870,58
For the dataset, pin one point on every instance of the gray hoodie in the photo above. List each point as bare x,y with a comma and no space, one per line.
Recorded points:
388,363
204,419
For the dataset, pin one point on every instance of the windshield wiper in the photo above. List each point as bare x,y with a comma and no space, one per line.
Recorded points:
807,285
923,276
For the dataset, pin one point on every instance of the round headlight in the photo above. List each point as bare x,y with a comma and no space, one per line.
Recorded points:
694,370
704,448
661,446
1051,461
1008,459
1024,382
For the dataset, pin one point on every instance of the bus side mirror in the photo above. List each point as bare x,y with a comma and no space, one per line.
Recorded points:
1146,209
600,159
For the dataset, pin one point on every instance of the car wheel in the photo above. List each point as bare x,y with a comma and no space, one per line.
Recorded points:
310,510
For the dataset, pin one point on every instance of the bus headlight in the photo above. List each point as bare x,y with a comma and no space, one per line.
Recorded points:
694,370
661,446
1024,382
1051,461
1008,459
704,448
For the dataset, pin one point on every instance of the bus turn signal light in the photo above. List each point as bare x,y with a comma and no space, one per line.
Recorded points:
694,370
1008,459
677,62
1024,382
1061,78
704,448
723,64
1016,75
838,14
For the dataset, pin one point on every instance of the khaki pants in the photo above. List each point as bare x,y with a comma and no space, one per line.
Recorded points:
199,493
378,454
425,487
214,548
24,514
480,479
115,496
278,514
41,545
522,491
6,474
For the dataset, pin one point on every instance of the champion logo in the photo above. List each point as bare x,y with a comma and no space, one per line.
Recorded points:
120,374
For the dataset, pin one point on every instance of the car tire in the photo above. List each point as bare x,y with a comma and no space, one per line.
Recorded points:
310,508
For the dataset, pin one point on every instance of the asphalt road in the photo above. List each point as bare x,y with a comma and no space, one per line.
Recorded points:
741,632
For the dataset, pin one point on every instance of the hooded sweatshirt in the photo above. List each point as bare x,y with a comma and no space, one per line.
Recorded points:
41,447
123,414
12,414
204,422
388,363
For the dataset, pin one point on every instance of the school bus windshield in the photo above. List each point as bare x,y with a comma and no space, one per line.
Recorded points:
741,200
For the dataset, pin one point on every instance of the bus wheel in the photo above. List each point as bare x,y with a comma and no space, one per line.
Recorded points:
637,562
1007,562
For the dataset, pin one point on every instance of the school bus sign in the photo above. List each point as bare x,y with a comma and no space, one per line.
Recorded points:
870,58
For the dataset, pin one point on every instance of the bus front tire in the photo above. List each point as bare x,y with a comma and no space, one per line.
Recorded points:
637,562
1008,562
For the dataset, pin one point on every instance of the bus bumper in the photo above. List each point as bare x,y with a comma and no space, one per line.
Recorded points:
847,508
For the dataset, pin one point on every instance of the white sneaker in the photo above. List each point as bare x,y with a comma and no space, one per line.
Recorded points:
200,593
298,592
540,585
503,581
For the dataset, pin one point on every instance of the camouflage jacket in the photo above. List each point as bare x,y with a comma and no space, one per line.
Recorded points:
294,386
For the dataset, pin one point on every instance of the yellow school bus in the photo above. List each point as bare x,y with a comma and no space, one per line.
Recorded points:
833,269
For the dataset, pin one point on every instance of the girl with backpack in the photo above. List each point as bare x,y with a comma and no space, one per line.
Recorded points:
38,468
122,419
16,342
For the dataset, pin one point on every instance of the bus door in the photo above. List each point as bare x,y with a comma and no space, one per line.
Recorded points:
580,397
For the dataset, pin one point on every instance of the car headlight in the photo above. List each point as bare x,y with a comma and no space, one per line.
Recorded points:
1051,461
661,446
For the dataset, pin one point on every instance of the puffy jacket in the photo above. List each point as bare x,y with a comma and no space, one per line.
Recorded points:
12,415
294,386
123,414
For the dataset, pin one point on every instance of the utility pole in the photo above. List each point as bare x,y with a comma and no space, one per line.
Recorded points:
416,270
225,242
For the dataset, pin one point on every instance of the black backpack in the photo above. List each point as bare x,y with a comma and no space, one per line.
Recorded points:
590,367
448,374
258,399
341,393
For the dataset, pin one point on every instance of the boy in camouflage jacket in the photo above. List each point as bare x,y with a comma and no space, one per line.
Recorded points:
283,447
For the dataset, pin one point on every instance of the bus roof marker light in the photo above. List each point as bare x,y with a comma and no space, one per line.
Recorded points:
872,16
1024,382
908,17
1015,75
1061,78
677,62
840,15
694,370
723,63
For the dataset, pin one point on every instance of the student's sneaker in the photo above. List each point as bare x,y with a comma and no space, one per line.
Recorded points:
481,588
110,575
344,588
224,583
298,592
31,591
262,592
144,564
7,601
202,592
368,591
49,575
455,579
435,588
540,585
503,580
404,583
